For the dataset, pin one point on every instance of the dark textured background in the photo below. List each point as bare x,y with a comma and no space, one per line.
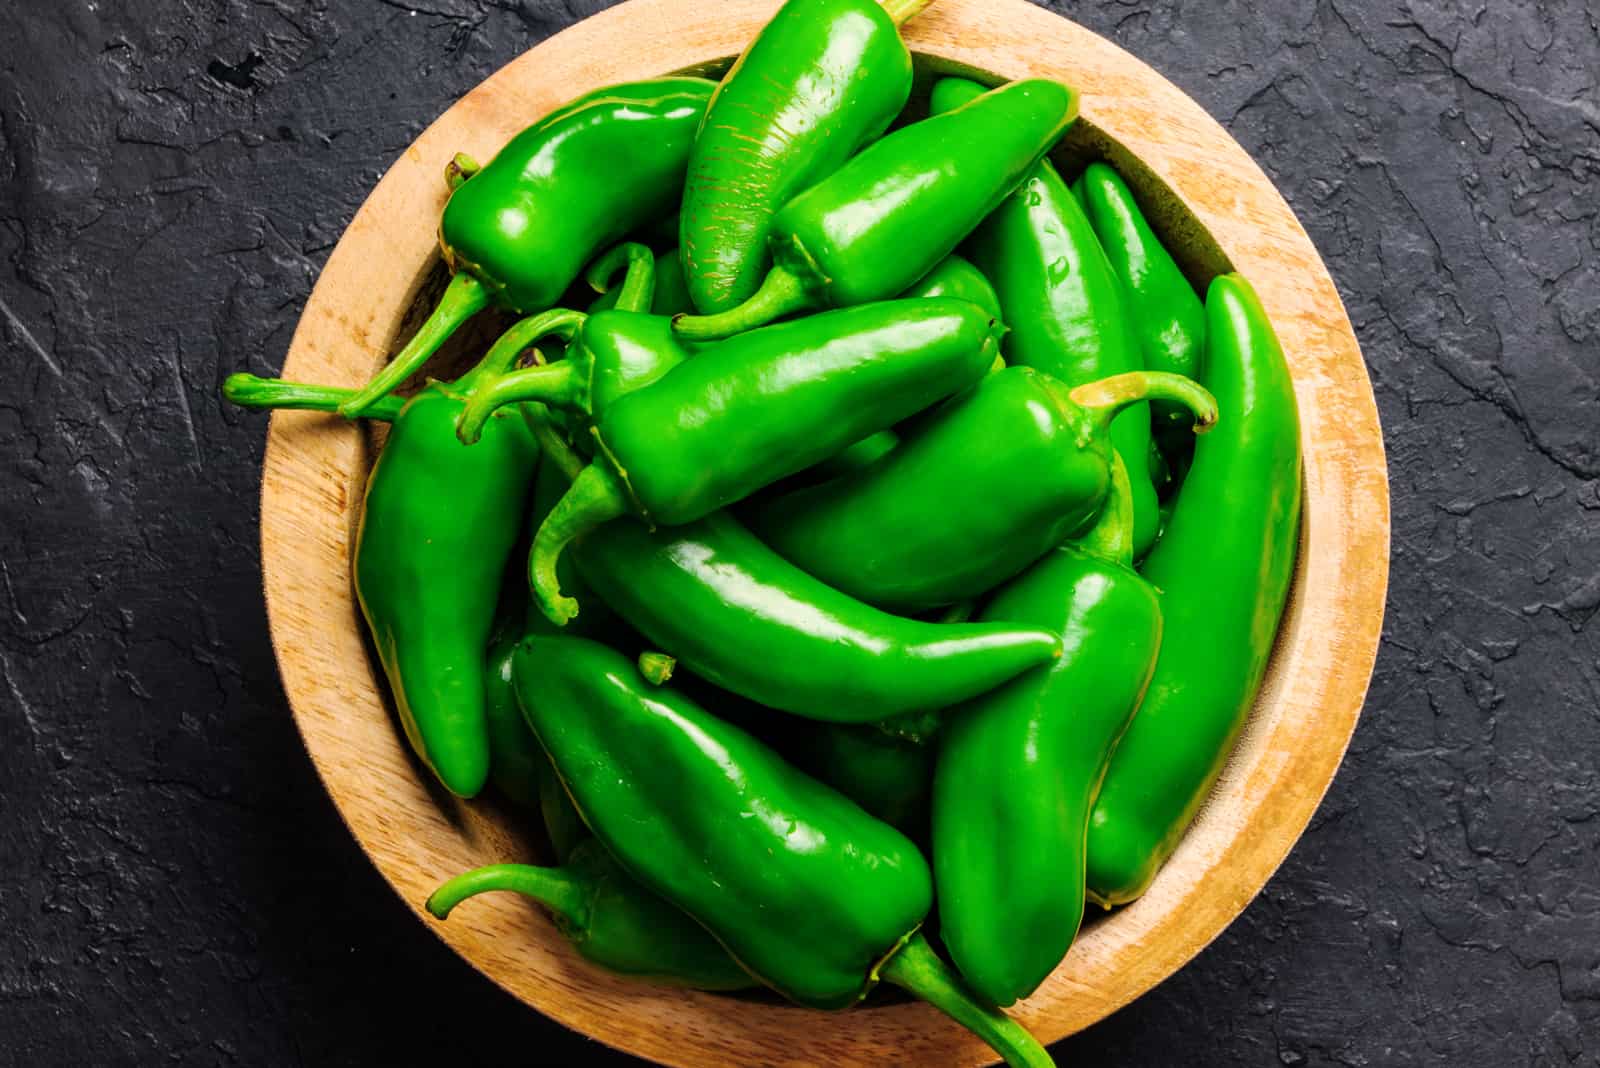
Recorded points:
174,885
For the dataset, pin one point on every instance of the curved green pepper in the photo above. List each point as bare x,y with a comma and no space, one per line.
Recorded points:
736,613
749,411
518,231
887,533
884,219
1019,768
1062,301
954,277
609,919
1224,567
439,523
1164,309
730,609
809,893
820,80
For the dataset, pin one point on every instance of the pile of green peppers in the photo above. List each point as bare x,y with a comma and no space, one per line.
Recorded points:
858,552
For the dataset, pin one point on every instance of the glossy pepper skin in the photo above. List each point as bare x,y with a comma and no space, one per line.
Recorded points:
733,611
1019,768
953,277
737,614
823,78
888,534
809,893
957,277
609,919
517,231
439,523
887,217
753,409
1224,567
1061,299
1166,312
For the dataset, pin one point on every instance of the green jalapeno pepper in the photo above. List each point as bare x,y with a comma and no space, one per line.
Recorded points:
517,231
887,533
734,612
820,80
1164,309
753,409
1061,299
439,523
609,919
887,217
809,893
954,277
1019,767
1224,567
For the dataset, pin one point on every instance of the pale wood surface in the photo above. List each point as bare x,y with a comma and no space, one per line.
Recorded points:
316,467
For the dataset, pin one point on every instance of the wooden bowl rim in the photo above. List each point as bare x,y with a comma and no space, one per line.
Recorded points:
315,468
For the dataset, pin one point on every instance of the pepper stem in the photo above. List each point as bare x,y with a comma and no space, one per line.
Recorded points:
459,169
463,298
1105,398
916,968
555,889
638,285
593,498
486,385
251,391
558,383
903,11
781,294
656,667
1111,537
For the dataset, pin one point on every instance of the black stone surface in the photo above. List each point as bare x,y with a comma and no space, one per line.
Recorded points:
177,888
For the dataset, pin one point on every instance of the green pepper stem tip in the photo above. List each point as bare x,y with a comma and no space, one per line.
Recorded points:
1108,396
554,888
656,667
460,168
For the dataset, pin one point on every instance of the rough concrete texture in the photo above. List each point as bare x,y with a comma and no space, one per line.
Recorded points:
178,888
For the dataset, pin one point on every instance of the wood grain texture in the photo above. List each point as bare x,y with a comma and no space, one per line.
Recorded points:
316,467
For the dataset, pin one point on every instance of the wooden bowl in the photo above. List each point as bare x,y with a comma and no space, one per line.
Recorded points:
1209,198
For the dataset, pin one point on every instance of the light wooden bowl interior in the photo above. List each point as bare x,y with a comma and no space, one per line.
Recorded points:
1209,199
